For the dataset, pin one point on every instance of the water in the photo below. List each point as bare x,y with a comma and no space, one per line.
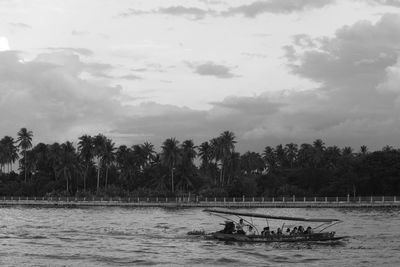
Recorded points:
155,236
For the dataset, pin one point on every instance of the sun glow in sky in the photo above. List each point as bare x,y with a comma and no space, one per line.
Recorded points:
4,44
271,71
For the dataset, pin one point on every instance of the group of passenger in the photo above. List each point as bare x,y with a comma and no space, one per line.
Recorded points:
295,231
240,227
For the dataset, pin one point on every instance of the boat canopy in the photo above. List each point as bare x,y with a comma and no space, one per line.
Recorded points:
259,215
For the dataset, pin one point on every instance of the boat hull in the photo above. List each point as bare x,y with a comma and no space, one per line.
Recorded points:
263,239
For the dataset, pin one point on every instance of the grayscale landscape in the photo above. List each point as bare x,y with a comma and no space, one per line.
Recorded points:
200,132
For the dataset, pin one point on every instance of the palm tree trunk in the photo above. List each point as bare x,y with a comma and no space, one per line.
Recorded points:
66,177
105,186
98,179
25,164
172,178
84,178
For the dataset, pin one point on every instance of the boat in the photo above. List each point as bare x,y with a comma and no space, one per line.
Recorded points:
316,234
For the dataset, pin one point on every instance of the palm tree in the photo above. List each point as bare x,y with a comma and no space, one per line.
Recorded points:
99,142
108,157
205,153
291,153
228,147
54,158
216,152
148,152
269,158
170,156
363,150
319,148
86,154
9,152
25,142
186,166
68,164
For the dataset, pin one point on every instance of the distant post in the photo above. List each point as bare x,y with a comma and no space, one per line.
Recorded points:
348,198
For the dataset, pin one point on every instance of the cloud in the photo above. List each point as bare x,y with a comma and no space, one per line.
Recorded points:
79,33
212,69
79,50
249,10
394,3
19,25
131,77
275,6
190,12
48,96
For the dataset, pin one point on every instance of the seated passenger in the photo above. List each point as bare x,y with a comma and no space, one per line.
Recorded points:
288,231
239,227
229,228
308,231
251,231
301,229
294,231
266,232
279,232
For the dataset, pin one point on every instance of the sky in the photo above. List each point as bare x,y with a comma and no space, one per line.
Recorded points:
271,71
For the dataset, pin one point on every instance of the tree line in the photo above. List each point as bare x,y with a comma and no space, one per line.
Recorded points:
96,166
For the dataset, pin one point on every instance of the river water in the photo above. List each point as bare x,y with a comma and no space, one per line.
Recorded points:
155,236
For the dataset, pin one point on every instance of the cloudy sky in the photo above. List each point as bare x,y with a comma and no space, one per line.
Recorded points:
272,71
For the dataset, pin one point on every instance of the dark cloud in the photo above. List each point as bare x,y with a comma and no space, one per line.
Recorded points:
212,69
275,6
48,96
250,10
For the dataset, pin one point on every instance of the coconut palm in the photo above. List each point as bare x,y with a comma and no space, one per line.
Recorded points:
228,142
68,163
99,142
171,156
148,152
270,158
205,154
108,156
24,142
291,153
86,154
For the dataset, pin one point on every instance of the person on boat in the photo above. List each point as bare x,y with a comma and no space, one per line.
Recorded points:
272,233
251,231
288,231
308,231
294,231
229,228
301,229
279,232
266,232
240,227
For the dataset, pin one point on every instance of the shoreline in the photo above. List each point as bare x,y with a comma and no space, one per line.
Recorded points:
202,204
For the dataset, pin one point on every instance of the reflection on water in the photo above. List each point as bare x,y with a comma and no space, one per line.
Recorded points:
154,236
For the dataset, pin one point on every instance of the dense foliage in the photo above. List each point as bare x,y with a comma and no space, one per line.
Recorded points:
97,166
